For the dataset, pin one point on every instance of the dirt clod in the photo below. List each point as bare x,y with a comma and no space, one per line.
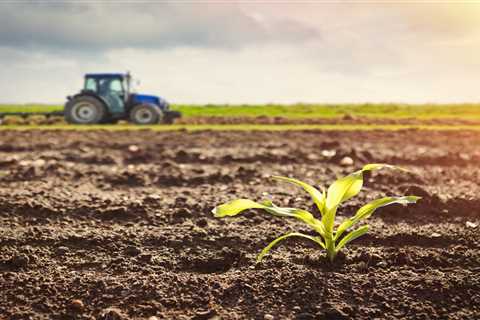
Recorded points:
470,224
133,250
76,305
62,250
204,314
305,316
20,260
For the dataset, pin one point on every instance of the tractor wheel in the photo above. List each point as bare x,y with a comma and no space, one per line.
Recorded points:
85,110
146,114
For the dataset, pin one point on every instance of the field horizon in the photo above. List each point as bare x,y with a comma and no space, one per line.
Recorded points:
301,110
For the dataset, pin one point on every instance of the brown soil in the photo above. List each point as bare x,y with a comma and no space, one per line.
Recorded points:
345,120
117,225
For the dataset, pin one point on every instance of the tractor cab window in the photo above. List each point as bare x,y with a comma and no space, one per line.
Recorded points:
109,86
91,84
116,85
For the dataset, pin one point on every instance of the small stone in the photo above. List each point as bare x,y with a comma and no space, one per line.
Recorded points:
471,224
133,251
328,153
76,305
153,318
435,235
346,162
268,317
133,148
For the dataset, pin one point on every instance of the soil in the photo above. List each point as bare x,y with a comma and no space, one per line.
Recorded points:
118,225
346,119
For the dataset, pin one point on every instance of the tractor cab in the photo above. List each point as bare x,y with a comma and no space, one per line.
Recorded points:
107,97
112,87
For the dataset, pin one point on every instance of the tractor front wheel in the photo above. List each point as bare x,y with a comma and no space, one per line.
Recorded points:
85,110
146,114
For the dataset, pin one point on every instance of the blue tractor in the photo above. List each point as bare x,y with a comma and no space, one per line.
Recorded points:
107,98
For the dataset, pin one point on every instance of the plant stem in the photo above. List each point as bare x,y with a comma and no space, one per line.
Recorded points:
330,244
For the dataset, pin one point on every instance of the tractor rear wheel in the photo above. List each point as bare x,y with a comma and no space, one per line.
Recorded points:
85,110
146,114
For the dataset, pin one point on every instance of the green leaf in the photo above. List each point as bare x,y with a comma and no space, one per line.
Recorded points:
237,206
351,236
378,166
367,210
343,189
317,196
285,236
299,214
346,188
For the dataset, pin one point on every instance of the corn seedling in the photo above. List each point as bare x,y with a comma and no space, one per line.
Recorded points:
330,239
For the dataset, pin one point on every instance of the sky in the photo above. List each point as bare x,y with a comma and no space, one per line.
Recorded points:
245,51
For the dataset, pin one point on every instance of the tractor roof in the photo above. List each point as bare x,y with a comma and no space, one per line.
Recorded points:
104,75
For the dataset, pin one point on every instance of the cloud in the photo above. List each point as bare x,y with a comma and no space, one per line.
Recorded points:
102,26
245,52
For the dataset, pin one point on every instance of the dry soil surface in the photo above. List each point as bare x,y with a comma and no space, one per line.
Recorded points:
118,225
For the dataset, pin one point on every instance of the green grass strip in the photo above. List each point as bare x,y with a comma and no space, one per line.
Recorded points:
301,111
